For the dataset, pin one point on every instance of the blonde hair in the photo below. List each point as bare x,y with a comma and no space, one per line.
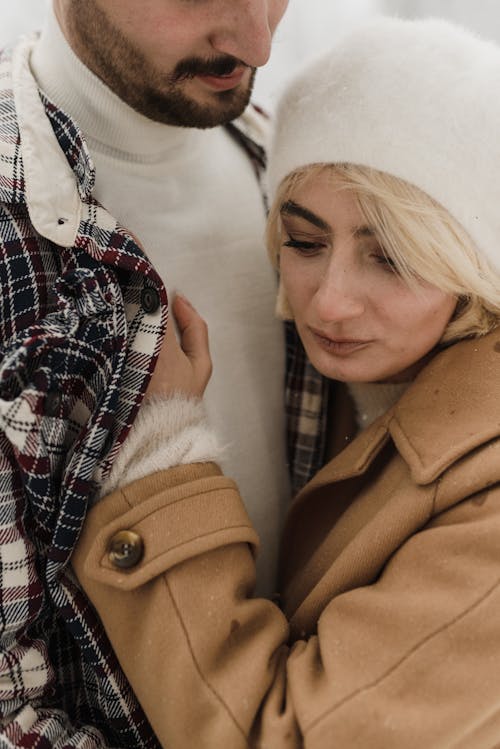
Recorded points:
423,240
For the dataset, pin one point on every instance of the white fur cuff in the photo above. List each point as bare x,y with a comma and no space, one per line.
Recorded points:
167,432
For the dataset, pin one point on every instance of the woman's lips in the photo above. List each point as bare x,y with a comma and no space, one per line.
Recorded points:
223,82
338,346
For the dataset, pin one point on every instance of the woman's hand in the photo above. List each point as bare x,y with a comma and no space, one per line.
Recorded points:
183,367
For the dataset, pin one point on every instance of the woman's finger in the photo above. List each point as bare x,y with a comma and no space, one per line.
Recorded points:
194,338
192,328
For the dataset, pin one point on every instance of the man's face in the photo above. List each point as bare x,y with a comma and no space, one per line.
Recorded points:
181,62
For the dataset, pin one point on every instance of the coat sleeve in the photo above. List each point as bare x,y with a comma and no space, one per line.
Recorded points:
411,660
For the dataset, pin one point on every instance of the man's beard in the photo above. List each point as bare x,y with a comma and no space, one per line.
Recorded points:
173,107
160,97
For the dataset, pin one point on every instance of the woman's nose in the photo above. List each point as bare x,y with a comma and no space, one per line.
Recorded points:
339,296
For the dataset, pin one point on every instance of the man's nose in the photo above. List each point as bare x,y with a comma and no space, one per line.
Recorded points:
338,297
246,29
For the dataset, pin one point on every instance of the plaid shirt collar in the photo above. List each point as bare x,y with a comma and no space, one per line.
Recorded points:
55,147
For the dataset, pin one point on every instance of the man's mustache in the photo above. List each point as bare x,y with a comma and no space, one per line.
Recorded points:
191,67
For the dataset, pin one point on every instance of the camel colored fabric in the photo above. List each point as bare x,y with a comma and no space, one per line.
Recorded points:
390,631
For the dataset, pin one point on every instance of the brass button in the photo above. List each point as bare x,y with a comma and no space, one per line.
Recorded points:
126,549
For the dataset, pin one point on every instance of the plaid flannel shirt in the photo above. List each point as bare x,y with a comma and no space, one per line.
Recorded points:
78,345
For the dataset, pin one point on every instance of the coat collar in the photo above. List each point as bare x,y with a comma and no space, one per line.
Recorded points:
452,408
44,161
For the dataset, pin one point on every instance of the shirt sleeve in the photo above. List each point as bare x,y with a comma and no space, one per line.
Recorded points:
27,677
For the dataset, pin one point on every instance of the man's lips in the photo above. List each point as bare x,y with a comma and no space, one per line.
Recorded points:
339,346
223,82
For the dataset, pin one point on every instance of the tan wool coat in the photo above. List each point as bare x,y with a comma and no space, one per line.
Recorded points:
389,633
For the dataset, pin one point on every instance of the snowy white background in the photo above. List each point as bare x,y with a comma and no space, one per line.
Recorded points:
308,27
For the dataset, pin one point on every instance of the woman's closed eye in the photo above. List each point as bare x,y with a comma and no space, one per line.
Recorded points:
386,262
303,246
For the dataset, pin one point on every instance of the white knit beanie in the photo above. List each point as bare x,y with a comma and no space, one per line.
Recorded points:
417,99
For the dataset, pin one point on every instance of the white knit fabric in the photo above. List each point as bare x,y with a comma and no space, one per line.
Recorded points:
416,99
372,399
193,200
167,432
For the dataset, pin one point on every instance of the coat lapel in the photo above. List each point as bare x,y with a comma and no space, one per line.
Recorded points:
317,509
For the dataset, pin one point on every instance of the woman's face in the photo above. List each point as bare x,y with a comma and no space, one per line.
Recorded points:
358,319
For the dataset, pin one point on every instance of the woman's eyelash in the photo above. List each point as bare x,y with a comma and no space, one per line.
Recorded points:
384,259
301,245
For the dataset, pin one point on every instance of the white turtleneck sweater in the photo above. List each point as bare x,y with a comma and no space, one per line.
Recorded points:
192,199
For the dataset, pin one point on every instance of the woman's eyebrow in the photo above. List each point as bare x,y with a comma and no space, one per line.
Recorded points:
364,231
290,208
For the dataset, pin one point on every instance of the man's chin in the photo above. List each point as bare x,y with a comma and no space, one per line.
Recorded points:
224,107
204,109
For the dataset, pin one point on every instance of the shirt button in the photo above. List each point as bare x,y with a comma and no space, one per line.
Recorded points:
150,300
53,403
126,549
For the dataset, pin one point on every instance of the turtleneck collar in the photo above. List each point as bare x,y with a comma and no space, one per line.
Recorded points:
372,399
109,125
